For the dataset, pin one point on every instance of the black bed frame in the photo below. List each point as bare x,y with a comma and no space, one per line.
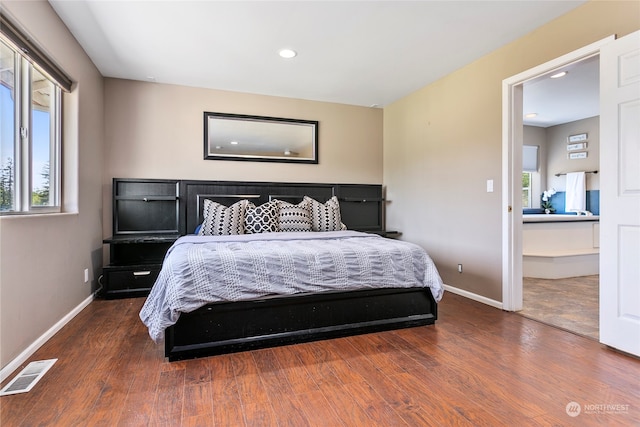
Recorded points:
228,327
237,326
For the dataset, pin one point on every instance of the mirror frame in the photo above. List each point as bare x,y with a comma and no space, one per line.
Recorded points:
209,145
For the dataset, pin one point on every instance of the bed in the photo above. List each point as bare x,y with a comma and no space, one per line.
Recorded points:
239,291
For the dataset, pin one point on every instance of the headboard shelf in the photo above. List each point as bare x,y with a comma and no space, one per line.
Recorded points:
355,199
146,206
147,198
151,206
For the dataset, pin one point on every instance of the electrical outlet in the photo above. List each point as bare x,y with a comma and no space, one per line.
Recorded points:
459,268
86,275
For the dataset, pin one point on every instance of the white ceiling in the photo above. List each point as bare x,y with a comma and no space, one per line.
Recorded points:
572,97
367,53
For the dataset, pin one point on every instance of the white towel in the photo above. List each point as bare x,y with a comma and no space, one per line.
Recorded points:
575,197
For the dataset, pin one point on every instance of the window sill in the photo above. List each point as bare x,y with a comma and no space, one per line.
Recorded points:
7,215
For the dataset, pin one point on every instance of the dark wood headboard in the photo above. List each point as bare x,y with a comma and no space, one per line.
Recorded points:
360,204
161,206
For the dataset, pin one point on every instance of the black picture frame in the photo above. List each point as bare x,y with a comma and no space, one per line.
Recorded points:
243,137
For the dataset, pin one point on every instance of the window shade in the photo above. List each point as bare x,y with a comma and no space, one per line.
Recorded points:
530,158
31,51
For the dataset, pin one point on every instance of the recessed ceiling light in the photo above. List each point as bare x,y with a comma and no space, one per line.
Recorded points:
234,143
531,115
287,53
560,74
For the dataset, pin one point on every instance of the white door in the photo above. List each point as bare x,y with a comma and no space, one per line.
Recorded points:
620,194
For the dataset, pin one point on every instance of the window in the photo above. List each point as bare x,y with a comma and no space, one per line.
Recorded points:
30,135
530,158
526,189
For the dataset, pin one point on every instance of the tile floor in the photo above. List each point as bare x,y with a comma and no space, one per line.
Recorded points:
571,304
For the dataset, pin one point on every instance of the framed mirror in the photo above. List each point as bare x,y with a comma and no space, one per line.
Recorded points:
257,138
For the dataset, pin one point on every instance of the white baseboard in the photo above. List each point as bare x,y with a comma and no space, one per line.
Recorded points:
475,297
29,351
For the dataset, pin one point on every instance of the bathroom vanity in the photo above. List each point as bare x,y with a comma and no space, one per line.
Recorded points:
558,246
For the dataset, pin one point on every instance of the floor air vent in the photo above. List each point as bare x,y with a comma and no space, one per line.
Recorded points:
28,377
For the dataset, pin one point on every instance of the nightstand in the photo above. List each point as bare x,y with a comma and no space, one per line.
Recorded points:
145,225
135,264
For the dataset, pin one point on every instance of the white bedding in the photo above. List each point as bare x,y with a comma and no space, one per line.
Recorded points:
198,270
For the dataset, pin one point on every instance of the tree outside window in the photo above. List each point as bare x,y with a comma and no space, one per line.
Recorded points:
526,189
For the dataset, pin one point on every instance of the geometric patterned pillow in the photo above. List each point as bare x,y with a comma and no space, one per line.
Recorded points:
294,218
262,219
325,217
221,220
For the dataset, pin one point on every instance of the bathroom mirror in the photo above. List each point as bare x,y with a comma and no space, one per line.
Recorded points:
257,138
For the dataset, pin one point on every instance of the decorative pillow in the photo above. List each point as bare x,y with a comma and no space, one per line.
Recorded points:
325,217
294,217
262,219
222,220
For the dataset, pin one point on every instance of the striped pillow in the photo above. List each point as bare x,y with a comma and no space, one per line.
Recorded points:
221,220
294,218
325,217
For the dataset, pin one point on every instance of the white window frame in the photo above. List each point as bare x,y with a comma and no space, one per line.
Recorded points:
23,141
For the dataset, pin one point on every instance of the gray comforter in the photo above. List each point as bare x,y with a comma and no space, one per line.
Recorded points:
201,269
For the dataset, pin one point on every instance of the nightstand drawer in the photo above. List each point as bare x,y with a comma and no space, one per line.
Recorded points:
129,281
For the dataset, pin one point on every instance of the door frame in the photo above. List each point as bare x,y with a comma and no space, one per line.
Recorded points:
512,140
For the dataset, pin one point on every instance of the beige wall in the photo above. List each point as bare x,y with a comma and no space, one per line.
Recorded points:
558,161
42,258
156,131
444,141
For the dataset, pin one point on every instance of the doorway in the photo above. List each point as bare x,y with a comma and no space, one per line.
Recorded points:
513,137
560,250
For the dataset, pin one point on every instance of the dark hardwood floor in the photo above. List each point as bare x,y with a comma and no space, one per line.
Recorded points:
478,366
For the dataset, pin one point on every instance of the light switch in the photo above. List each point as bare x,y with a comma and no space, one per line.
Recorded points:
489,186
